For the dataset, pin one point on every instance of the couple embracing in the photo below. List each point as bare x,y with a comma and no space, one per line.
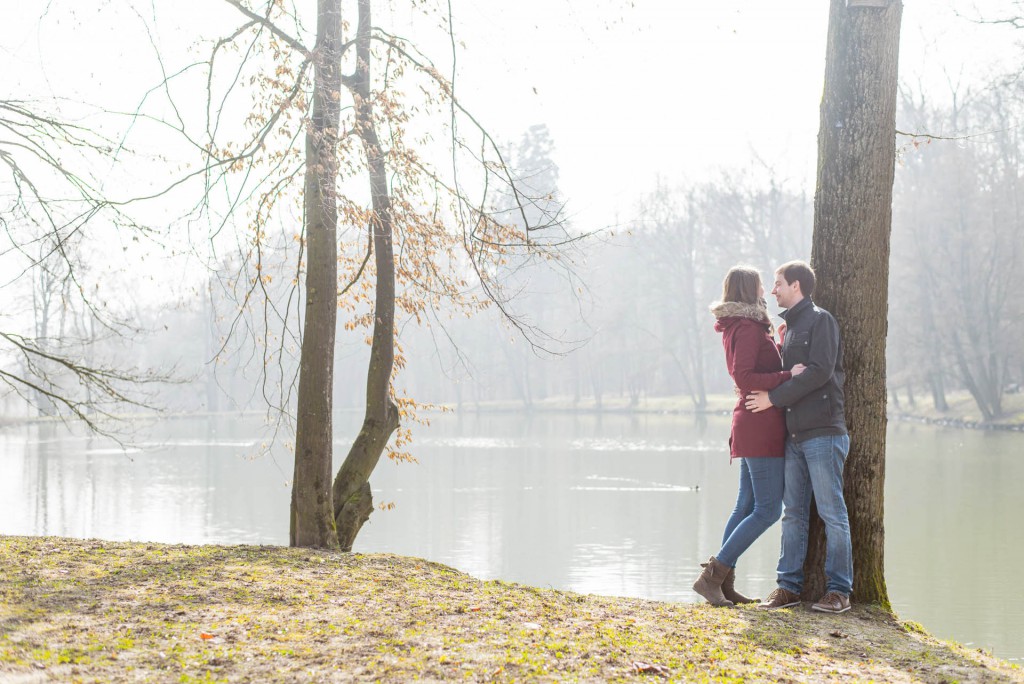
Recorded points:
789,434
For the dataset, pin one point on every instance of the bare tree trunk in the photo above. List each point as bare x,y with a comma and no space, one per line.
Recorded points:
976,383
595,370
936,340
312,513
852,220
353,501
938,391
519,373
210,351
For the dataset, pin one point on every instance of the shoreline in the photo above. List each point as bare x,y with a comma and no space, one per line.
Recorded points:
961,414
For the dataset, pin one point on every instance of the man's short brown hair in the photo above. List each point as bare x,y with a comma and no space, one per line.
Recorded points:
799,271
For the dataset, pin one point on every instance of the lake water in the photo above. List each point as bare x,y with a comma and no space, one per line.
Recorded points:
618,505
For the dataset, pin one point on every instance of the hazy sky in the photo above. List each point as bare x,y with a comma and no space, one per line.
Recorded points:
685,89
630,90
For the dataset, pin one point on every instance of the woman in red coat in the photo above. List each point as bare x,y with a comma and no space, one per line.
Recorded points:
758,439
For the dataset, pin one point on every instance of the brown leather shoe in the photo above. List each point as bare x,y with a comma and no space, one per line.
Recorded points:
833,602
780,598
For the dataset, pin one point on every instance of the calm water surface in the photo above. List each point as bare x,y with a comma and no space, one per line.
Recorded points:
610,505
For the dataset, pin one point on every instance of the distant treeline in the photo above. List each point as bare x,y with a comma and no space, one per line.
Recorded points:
630,318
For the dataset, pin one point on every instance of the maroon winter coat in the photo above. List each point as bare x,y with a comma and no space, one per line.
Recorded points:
754,363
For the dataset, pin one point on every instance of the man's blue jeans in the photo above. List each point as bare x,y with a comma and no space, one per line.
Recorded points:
815,466
758,505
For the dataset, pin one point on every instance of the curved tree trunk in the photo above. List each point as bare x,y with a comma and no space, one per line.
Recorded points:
353,501
852,220
312,514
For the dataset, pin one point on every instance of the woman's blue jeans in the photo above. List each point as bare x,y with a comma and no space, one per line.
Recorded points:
758,505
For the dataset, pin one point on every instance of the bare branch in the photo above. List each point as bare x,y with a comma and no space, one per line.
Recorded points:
264,21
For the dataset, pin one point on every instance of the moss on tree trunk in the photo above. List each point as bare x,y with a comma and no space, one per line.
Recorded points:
852,220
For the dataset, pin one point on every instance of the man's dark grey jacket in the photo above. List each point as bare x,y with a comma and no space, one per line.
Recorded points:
814,399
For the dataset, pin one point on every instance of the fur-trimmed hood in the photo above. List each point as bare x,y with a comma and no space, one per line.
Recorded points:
734,313
740,310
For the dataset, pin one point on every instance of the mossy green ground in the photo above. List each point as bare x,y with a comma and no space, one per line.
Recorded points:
97,611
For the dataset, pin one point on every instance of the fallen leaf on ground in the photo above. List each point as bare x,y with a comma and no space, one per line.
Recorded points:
650,668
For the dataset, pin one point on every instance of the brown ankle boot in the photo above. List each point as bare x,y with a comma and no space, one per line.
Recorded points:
709,584
729,590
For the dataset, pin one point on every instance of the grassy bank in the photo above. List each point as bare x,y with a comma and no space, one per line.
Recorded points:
74,610
960,412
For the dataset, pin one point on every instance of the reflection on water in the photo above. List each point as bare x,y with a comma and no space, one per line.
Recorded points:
625,505
637,445
953,523
628,484
176,487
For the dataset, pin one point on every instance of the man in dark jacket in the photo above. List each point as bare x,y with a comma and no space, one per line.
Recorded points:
816,442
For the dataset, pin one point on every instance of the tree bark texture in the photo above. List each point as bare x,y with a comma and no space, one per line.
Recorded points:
312,512
353,501
850,253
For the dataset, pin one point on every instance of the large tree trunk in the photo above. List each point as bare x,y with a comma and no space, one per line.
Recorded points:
353,501
312,514
852,220
938,388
